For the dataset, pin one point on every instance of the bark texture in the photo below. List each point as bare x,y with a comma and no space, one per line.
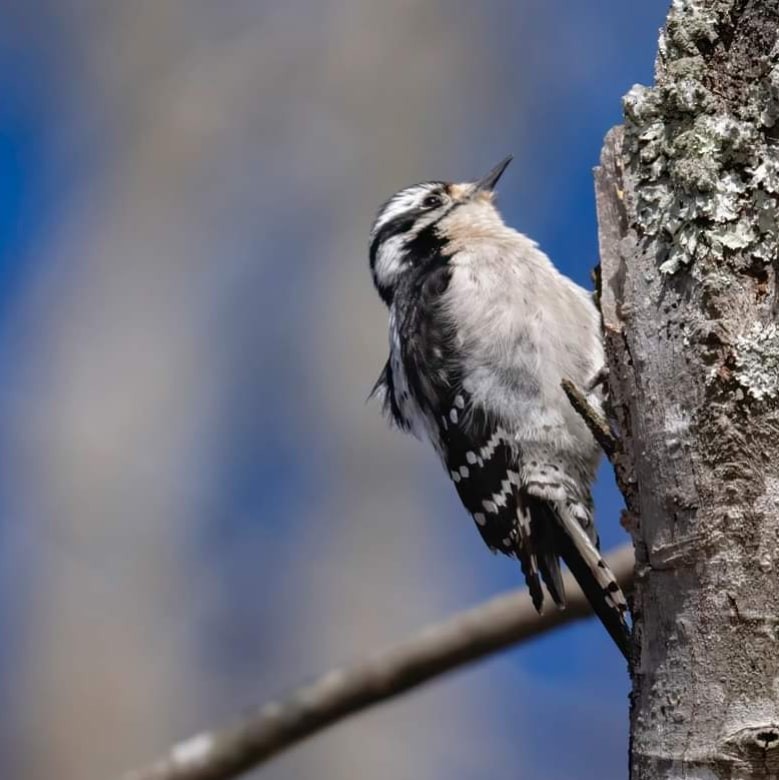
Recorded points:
687,197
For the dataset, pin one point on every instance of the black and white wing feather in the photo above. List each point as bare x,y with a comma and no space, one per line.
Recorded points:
482,462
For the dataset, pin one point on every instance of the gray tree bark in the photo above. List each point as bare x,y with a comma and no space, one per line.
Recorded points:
687,204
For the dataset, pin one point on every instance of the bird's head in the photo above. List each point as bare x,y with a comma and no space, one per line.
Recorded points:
416,224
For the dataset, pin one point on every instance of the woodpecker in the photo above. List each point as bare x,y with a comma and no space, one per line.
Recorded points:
482,330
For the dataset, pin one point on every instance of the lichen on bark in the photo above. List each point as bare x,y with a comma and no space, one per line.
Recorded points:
707,165
756,356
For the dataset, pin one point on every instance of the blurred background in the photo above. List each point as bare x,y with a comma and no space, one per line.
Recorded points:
199,508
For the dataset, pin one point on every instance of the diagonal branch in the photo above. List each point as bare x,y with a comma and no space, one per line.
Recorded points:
503,621
597,424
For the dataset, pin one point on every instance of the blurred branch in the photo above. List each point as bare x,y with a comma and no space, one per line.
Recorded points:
503,621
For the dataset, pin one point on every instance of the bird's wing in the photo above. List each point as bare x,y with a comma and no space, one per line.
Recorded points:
482,462
385,392
476,449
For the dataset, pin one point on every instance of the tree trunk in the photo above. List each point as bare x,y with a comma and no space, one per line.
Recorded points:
687,196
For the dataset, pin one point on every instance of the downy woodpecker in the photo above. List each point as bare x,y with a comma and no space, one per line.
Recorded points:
482,329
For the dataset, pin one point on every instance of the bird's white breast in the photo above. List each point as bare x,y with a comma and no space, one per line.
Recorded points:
521,328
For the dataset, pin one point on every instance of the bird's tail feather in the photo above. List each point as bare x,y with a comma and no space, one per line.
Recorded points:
526,551
594,577
542,532
589,569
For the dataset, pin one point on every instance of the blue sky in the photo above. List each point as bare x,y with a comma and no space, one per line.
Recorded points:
549,82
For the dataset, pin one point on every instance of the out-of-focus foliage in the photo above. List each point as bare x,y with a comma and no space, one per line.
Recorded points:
199,508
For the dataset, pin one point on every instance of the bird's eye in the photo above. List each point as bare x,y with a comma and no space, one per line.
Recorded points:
432,202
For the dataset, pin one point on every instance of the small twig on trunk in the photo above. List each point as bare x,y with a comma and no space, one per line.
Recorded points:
597,424
476,633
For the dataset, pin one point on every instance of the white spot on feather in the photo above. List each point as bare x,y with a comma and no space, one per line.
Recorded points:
488,449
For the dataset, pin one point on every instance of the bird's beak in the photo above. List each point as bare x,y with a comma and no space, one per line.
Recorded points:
487,183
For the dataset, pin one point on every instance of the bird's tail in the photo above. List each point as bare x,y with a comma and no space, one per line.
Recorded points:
595,579
565,536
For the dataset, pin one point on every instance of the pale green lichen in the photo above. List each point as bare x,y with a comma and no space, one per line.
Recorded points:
691,22
766,213
642,104
756,356
736,235
766,175
771,92
682,250
706,178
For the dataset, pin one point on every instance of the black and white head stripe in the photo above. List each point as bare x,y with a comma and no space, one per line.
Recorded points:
407,215
407,202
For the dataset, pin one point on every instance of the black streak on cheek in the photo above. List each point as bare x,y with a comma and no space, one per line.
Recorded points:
394,227
426,244
385,293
